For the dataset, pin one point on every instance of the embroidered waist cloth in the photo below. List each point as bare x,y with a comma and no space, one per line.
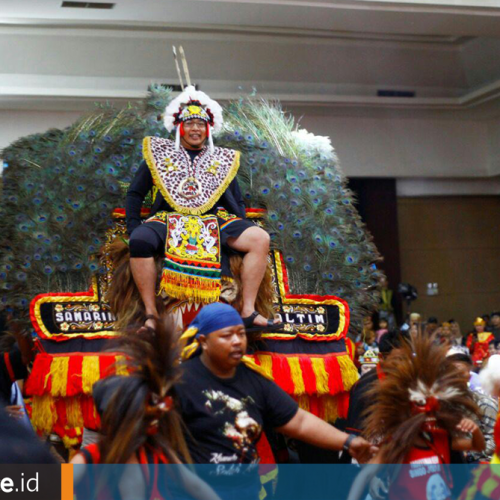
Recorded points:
192,264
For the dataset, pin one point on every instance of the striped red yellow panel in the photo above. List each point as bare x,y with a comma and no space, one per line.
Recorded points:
60,388
320,383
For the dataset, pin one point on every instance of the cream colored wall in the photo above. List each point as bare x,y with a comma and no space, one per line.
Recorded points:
405,147
366,146
455,242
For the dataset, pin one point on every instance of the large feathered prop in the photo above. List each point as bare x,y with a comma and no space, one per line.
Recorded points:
420,385
59,190
139,408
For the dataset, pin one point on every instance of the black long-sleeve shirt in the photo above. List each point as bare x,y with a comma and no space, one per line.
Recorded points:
142,183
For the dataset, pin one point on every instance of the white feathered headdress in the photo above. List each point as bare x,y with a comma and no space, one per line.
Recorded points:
191,104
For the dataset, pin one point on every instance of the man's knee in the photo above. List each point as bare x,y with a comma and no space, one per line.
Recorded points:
261,240
141,248
144,242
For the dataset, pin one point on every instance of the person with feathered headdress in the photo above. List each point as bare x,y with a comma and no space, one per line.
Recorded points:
198,213
139,423
417,416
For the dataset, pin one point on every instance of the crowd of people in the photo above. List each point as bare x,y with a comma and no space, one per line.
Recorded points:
427,395
479,342
424,400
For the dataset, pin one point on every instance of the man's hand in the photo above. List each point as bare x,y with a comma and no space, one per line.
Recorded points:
468,426
361,450
15,411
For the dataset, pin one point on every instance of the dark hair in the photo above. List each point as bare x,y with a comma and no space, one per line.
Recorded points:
460,357
496,313
432,319
391,340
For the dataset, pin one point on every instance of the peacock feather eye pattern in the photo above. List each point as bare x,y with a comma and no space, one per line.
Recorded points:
61,187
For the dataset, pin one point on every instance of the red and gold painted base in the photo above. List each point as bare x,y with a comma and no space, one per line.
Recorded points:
60,388
312,359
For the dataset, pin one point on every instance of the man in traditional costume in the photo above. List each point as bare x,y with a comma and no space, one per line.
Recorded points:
478,341
197,209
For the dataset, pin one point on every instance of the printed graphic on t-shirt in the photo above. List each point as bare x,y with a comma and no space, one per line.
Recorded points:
240,428
429,469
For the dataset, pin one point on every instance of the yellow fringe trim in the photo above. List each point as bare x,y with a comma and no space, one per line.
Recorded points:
70,442
296,372
148,156
121,366
266,364
188,288
43,413
59,375
74,414
318,366
303,402
349,372
91,373
250,363
330,408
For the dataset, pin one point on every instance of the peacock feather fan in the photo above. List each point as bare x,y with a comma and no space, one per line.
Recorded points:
60,187
311,218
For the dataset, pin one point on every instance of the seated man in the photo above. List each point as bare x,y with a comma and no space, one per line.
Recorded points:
190,178
226,403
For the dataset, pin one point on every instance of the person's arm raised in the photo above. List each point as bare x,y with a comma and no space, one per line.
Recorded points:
311,429
477,443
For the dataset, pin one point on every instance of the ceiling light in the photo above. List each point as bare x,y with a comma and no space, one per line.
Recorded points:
88,5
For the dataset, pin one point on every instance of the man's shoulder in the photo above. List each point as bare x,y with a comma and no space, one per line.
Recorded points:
223,149
153,139
190,368
221,152
253,379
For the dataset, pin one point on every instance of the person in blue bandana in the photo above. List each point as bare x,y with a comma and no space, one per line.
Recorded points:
226,401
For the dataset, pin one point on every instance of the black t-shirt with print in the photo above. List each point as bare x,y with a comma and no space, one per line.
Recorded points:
225,417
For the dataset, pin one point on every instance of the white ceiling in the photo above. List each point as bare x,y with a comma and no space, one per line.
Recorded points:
303,52
324,59
430,18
